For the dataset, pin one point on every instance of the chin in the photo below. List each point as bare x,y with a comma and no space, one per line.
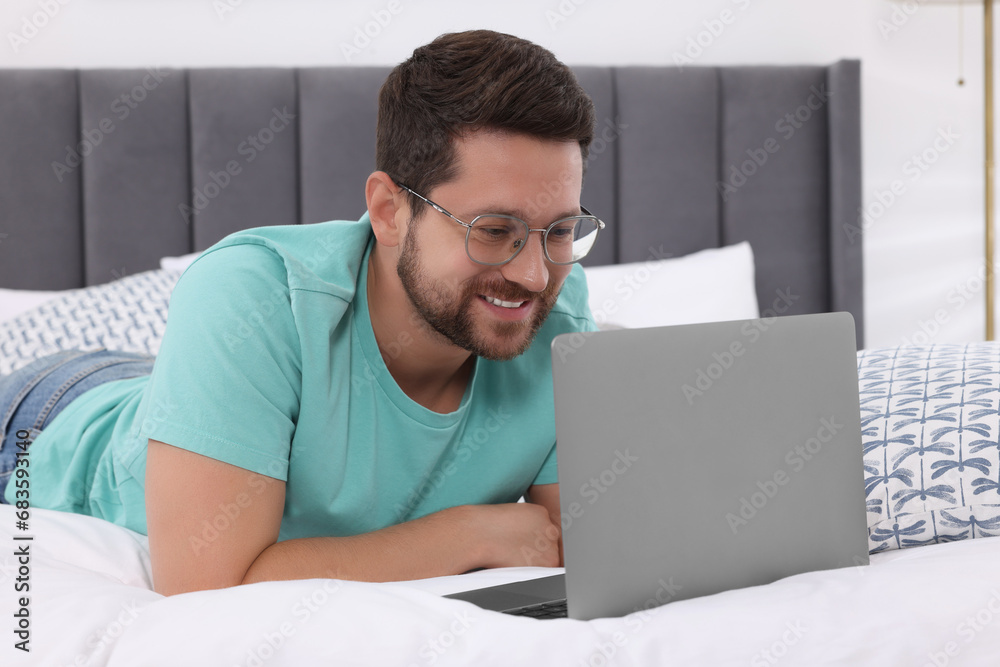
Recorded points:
504,347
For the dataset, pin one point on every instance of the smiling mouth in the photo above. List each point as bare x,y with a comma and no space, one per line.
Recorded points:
504,304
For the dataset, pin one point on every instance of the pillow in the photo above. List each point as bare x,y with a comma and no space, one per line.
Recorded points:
13,302
708,286
129,314
178,264
930,432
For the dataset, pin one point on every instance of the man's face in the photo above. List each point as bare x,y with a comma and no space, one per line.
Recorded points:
536,180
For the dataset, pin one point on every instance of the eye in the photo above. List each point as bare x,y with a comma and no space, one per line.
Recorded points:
563,233
494,232
496,229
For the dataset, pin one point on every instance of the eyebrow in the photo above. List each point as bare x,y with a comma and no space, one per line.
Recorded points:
501,210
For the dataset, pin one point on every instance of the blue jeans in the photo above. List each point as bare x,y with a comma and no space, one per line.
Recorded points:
32,396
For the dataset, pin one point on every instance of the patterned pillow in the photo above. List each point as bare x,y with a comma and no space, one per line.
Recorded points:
930,430
129,314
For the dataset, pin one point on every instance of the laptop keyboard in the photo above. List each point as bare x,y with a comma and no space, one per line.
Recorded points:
543,610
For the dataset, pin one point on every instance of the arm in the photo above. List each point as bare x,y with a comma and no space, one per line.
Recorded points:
547,496
214,525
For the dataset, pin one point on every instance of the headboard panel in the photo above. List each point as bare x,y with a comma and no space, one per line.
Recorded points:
102,172
601,187
134,172
775,174
337,139
40,210
669,161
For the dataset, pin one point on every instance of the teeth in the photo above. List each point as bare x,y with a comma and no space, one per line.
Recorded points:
503,304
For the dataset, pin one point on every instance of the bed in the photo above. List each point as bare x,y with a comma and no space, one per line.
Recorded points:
740,184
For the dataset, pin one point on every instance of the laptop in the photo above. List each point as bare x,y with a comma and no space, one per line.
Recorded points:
697,459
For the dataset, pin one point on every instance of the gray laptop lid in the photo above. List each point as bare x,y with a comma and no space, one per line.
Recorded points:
700,458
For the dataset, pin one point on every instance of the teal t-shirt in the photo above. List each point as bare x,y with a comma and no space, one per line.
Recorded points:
269,363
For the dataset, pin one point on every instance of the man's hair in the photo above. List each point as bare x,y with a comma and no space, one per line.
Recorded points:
468,81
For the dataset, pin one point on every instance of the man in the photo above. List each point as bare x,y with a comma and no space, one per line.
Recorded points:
385,409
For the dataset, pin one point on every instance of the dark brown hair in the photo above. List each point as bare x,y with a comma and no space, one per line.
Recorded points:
467,81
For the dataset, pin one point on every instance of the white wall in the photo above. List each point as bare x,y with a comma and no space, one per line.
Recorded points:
923,245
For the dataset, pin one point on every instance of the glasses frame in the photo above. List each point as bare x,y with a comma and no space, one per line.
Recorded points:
544,230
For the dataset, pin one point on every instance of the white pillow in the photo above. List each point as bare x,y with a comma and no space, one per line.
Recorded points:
13,302
711,285
128,314
178,264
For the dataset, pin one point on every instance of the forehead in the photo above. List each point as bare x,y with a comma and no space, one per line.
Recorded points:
540,178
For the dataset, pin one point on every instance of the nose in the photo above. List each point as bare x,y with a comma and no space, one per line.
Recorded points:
529,269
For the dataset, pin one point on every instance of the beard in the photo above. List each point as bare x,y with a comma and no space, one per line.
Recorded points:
448,308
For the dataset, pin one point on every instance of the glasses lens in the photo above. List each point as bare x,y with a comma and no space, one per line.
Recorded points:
494,240
571,239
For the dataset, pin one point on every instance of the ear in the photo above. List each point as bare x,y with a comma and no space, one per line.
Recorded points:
387,209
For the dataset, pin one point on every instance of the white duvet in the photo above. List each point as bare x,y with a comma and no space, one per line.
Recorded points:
90,603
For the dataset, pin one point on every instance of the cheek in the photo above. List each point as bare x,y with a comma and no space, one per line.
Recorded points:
456,270
558,275
443,257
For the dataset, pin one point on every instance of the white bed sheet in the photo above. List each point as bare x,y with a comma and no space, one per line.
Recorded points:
90,604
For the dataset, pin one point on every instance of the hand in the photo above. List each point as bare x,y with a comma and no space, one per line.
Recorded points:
516,535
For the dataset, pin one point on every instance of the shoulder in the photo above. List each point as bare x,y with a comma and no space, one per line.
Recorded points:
572,312
322,257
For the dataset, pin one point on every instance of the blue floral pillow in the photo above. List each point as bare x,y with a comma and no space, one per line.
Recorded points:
930,429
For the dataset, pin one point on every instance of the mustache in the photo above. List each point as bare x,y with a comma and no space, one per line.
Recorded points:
505,291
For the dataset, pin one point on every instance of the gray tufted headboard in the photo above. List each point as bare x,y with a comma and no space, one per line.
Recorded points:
102,172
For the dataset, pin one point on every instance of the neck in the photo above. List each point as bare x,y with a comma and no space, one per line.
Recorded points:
427,367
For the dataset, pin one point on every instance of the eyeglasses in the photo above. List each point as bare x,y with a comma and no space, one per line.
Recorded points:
495,239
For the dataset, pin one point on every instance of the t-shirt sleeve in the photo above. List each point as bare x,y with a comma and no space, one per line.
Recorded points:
548,473
227,379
